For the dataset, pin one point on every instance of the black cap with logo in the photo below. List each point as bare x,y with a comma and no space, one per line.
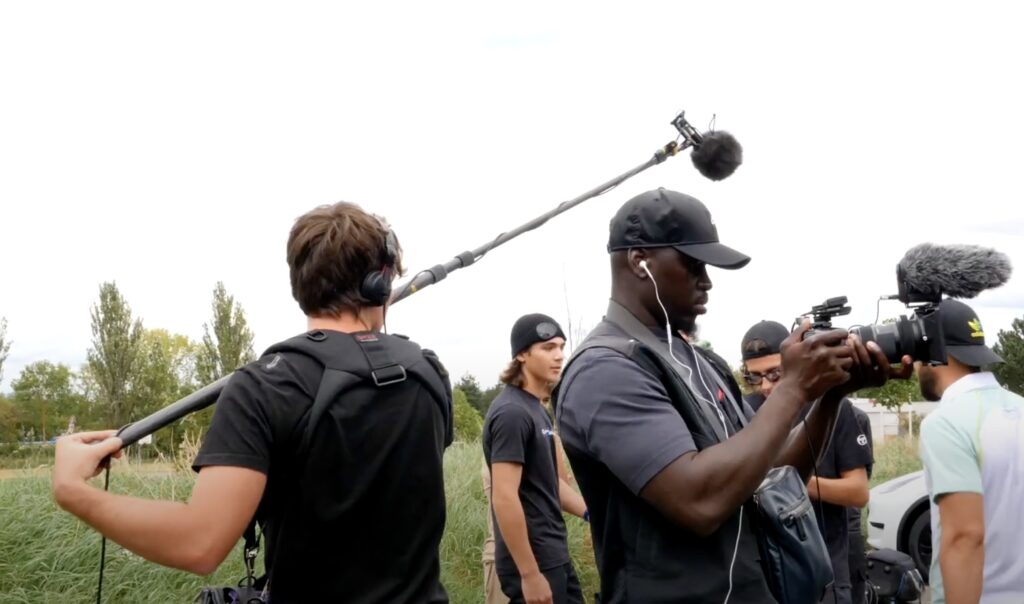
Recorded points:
963,335
664,218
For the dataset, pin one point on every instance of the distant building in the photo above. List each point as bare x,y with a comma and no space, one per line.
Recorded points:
886,424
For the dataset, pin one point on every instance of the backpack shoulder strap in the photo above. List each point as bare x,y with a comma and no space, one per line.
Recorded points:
380,359
611,336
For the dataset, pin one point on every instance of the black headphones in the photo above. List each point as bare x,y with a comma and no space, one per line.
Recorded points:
376,287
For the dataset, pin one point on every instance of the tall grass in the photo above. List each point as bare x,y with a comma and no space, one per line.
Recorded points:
895,457
48,555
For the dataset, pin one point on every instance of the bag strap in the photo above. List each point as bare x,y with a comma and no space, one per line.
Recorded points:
618,315
612,336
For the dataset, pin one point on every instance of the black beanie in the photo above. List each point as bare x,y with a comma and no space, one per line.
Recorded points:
533,328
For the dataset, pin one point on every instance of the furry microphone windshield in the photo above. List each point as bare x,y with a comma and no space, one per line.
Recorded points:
717,155
959,271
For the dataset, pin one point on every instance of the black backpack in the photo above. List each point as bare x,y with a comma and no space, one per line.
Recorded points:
892,577
349,360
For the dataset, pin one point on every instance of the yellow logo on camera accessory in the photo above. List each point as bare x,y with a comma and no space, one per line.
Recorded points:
975,326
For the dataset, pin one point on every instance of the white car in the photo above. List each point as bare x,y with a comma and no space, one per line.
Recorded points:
899,518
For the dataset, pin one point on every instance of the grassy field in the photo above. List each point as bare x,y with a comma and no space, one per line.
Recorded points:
47,554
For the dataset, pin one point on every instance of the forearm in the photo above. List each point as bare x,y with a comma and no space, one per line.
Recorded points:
164,532
727,473
818,424
571,501
508,511
962,561
838,491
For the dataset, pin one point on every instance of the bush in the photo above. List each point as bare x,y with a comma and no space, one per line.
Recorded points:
468,423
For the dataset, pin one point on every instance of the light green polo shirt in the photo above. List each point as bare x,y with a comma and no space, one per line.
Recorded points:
974,442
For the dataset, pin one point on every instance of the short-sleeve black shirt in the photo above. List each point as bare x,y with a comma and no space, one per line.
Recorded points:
849,449
518,430
377,483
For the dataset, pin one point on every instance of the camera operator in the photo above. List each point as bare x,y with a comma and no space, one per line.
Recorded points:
352,505
971,449
666,508
841,479
529,488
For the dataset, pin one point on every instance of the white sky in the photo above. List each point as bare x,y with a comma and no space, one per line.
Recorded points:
171,146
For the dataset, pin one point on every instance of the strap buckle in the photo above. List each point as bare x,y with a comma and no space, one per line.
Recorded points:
388,375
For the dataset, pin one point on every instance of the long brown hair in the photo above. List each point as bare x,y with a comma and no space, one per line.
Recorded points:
512,375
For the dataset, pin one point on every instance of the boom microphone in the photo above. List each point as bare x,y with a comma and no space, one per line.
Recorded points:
715,154
960,271
718,155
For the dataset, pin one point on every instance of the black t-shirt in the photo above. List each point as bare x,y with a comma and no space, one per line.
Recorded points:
620,429
755,400
518,430
849,449
852,513
360,517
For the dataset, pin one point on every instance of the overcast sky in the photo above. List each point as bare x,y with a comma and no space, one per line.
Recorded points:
169,146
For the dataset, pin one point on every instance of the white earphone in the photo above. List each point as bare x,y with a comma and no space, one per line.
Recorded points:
718,410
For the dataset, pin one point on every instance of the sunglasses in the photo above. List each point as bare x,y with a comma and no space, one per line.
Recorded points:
755,378
546,331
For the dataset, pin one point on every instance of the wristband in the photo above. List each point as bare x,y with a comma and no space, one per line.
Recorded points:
586,515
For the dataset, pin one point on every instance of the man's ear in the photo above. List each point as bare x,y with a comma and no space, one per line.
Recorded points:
635,257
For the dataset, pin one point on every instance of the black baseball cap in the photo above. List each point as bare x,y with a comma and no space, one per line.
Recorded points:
664,218
963,335
771,335
533,328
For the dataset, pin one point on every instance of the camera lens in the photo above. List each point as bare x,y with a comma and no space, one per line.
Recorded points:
904,337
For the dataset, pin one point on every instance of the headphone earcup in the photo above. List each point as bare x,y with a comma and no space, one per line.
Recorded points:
376,288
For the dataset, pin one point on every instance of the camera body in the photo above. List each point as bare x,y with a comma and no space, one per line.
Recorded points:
919,335
824,313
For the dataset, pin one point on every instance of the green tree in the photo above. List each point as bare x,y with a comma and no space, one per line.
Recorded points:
5,346
116,339
487,397
165,372
471,388
468,423
1010,346
8,421
894,393
46,398
230,345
